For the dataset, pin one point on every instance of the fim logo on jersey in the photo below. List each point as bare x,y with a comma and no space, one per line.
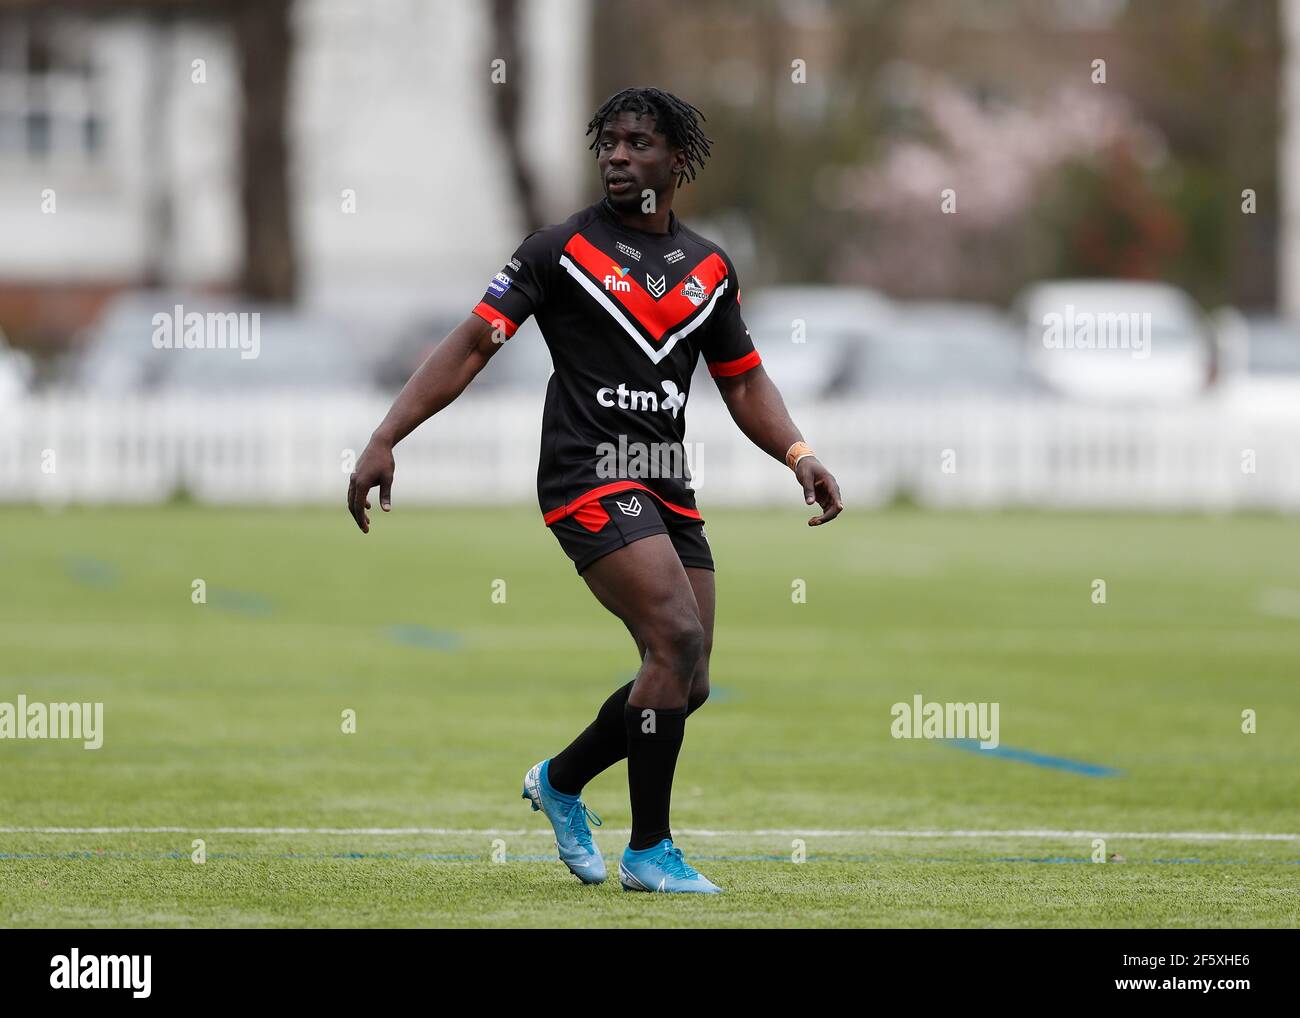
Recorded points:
694,291
615,283
642,399
629,508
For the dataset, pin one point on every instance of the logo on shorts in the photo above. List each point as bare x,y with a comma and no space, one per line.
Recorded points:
631,508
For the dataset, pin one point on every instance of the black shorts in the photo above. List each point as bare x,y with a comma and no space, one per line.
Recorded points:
607,524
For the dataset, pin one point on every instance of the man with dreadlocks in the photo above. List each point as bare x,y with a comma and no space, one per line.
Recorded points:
627,299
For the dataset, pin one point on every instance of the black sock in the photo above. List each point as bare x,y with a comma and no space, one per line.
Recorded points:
601,744
654,738
598,747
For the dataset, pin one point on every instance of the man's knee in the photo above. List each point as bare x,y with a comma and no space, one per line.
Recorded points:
679,641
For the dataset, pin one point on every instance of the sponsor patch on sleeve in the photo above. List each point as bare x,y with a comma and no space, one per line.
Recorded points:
499,285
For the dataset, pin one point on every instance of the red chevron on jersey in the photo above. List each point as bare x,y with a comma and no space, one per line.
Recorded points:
656,317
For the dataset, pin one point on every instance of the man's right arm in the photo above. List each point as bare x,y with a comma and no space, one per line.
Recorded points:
436,383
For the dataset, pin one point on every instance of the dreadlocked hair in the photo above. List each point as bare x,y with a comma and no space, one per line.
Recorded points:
675,118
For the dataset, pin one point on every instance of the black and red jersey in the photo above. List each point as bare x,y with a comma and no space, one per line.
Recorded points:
626,315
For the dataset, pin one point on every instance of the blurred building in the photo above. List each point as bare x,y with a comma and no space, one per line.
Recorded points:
119,160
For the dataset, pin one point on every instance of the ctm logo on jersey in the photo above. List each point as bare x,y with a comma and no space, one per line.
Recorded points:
615,282
642,399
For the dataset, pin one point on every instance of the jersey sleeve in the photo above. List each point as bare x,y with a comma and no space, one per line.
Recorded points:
728,349
520,288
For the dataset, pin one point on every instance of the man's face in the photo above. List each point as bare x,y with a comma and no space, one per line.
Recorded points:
633,157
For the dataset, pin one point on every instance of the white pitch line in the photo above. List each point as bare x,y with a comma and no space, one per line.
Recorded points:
689,832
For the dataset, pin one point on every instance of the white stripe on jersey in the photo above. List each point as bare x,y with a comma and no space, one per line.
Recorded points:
655,355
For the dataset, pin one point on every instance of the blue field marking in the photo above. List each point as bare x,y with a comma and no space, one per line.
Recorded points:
239,602
91,572
425,637
1057,763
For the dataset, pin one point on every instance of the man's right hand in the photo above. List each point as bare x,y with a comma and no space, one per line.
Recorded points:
436,382
375,467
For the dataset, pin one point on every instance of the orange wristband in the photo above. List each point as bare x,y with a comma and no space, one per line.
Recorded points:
797,452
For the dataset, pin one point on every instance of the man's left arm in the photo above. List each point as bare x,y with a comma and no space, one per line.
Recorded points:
759,411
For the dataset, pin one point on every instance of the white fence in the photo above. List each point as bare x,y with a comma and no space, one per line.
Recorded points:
483,451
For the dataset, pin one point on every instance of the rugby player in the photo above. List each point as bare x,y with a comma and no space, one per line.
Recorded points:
627,299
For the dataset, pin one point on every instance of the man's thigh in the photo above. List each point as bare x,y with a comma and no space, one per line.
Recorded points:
645,585
631,584
702,587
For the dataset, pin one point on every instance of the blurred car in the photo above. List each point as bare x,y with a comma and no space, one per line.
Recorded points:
524,364
812,338
294,350
1117,340
944,348
1262,366
16,371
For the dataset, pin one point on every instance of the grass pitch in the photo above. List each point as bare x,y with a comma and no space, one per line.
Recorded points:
223,721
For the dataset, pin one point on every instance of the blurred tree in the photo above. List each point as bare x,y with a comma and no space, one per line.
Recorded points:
827,173
265,46
264,49
777,125
506,98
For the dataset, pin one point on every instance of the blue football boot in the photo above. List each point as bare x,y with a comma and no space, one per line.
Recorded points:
662,868
568,815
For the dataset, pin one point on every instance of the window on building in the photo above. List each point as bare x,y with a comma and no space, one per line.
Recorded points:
49,111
